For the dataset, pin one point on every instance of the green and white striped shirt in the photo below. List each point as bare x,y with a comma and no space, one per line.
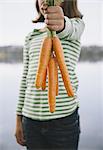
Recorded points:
33,103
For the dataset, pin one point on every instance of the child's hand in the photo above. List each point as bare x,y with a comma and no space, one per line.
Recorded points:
19,133
54,18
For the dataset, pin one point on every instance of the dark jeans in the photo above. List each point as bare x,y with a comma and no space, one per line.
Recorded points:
55,134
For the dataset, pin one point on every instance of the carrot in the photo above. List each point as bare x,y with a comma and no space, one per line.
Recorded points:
56,72
44,81
57,47
51,84
43,61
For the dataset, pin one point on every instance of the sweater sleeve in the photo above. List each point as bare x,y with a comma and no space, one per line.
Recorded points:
23,85
73,30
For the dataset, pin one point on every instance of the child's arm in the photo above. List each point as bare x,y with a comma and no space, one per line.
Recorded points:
69,28
23,85
19,130
73,30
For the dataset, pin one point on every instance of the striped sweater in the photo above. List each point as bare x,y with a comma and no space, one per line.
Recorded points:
32,102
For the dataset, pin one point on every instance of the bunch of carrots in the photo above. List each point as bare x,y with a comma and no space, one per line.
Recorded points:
51,56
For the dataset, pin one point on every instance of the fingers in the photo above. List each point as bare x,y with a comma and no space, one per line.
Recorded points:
53,16
51,9
53,22
54,9
53,27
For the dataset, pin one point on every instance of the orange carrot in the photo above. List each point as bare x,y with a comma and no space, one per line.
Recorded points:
51,84
43,61
57,47
44,81
56,72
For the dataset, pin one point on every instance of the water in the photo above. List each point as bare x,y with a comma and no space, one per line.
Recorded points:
89,94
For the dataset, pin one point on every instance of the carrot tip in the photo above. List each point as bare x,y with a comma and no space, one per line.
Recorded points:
52,110
37,86
43,88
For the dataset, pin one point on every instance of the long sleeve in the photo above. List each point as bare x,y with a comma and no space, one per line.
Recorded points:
73,30
23,85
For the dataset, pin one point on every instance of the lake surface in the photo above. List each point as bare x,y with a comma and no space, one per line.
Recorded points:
90,94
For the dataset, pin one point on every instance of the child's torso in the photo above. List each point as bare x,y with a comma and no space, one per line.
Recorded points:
36,101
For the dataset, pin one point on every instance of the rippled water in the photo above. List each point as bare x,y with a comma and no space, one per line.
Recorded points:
90,95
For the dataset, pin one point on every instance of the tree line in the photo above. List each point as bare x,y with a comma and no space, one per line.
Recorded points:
14,54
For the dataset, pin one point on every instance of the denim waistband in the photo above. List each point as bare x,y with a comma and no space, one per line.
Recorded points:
69,118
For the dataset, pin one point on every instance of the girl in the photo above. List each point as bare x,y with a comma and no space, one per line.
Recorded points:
36,127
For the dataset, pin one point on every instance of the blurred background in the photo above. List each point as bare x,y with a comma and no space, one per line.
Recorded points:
15,23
